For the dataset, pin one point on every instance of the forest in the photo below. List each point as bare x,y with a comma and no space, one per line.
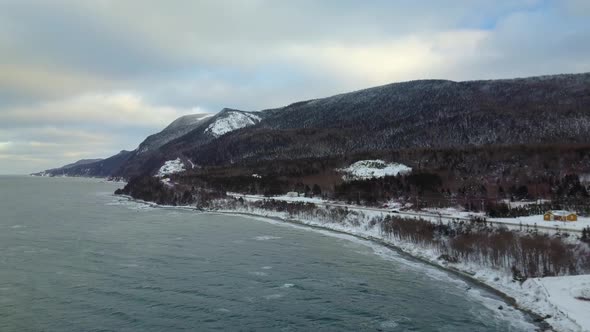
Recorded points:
490,179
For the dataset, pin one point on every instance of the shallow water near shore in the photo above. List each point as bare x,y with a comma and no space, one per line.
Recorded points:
74,257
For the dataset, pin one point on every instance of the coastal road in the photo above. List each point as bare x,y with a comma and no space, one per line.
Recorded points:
434,217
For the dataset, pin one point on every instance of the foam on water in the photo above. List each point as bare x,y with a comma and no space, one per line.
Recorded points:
388,324
266,237
273,296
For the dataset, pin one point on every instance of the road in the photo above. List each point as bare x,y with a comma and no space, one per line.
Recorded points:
411,214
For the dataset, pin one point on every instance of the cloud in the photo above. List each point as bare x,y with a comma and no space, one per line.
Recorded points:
107,73
114,44
53,133
5,145
405,58
119,109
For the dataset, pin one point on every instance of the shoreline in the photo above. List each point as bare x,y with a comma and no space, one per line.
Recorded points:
536,318
98,178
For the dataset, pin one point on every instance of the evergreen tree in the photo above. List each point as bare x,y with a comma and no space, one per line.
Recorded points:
317,191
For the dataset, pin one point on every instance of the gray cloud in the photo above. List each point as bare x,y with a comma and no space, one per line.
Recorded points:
106,73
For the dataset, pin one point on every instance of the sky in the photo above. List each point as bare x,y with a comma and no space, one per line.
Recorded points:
86,79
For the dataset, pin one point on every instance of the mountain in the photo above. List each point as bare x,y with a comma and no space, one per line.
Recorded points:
174,130
63,170
417,114
423,114
203,132
149,155
81,162
90,168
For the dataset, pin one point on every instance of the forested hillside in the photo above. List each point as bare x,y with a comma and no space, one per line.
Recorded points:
415,117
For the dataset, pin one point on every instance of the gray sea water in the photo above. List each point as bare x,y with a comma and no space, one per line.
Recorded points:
73,257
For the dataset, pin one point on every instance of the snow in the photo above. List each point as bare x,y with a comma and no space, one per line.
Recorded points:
286,198
231,122
167,182
177,128
192,164
515,204
367,169
171,167
453,212
537,220
564,293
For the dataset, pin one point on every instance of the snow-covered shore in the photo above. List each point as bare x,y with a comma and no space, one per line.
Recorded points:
555,299
558,307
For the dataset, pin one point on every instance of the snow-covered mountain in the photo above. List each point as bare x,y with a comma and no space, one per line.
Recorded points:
185,132
177,128
230,121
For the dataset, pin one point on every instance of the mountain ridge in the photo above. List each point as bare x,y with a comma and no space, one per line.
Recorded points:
545,109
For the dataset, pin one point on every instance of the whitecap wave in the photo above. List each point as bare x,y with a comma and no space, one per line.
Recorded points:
266,238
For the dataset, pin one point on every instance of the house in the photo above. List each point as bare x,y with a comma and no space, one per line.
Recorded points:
560,215
292,194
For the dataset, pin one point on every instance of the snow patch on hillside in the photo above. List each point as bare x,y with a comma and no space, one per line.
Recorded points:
367,169
171,167
231,122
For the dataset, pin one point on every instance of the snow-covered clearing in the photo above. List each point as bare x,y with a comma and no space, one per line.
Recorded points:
231,122
302,199
537,220
171,167
367,169
534,220
516,204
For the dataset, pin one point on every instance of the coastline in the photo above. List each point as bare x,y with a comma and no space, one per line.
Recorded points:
463,275
97,178
538,317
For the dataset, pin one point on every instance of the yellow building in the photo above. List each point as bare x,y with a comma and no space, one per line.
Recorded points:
560,215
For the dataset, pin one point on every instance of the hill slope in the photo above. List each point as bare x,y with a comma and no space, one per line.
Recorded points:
417,114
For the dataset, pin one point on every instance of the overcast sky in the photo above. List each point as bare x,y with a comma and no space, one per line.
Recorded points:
85,79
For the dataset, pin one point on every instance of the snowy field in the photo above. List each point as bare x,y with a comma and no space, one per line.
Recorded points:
171,167
537,220
570,294
368,169
231,122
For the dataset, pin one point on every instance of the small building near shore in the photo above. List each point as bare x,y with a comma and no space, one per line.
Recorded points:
560,215
292,194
